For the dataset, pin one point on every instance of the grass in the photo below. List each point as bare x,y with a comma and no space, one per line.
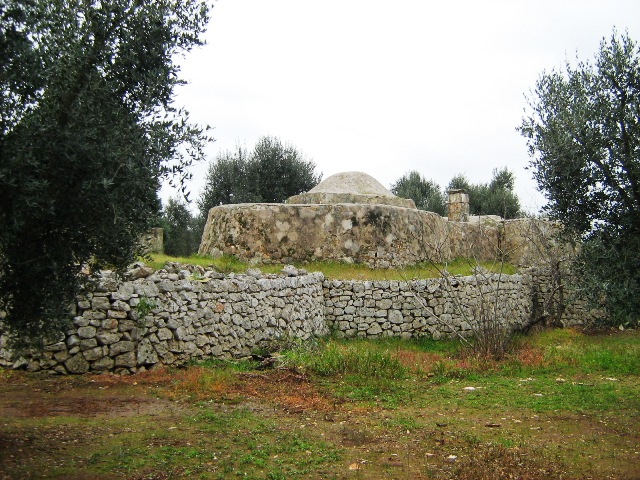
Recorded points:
560,405
340,270
339,358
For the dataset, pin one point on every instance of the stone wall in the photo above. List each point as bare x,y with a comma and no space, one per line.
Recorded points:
380,236
153,240
433,307
172,316
377,235
189,315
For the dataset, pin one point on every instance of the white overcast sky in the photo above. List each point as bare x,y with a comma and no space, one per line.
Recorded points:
385,87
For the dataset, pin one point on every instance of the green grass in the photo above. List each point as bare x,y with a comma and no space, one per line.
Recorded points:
340,270
562,405
355,357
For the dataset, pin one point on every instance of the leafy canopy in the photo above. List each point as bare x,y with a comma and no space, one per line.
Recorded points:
88,130
182,231
494,198
271,173
583,133
426,194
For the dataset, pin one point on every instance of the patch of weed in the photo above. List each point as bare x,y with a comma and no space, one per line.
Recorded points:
349,357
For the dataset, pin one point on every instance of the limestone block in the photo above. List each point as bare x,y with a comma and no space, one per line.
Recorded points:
121,347
126,325
146,353
86,332
102,364
61,356
146,289
124,292
137,333
93,354
109,324
55,347
84,304
77,364
173,323
395,317
120,305
81,321
100,303
117,314
94,315
107,338
375,330
384,304
127,359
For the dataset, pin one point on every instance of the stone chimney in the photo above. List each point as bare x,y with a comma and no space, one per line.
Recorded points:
458,206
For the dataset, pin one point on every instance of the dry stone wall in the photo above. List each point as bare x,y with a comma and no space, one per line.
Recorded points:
187,317
433,307
176,315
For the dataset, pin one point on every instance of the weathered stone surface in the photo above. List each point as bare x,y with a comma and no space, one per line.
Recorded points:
140,272
125,360
146,353
81,321
87,332
93,354
77,364
121,347
103,364
145,288
119,314
120,305
87,343
164,334
55,347
230,317
351,187
107,338
124,292
378,235
100,303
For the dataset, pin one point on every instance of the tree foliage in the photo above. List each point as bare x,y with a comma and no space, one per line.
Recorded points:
494,198
426,194
271,173
88,130
182,231
583,133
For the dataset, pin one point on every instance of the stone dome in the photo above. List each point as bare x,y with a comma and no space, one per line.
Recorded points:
350,187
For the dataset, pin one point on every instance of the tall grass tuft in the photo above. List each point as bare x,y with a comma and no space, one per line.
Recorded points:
341,358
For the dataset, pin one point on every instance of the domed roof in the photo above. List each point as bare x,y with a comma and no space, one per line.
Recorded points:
358,183
351,187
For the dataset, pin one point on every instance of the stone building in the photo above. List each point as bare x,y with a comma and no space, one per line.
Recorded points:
351,217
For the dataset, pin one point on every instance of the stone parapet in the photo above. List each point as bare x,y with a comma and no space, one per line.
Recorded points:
315,198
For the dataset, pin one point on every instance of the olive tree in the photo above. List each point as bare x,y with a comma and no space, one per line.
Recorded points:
583,132
271,173
494,198
182,231
88,130
426,194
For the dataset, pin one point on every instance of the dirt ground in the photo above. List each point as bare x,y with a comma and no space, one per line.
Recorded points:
106,426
